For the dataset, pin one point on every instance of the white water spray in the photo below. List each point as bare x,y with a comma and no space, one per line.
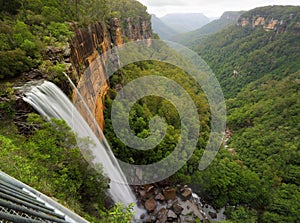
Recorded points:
51,102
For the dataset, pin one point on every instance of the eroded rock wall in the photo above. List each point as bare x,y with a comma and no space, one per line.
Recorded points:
272,23
86,47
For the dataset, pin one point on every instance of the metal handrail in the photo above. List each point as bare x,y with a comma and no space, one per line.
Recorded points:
53,209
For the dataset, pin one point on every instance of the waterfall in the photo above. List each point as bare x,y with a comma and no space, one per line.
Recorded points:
51,102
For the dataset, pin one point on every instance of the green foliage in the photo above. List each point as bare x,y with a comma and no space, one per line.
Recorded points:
4,45
11,7
230,182
271,12
257,178
60,31
50,161
241,214
265,120
29,47
255,109
7,103
13,62
19,49
51,14
31,25
129,9
239,55
22,46
94,10
55,73
285,205
148,107
21,33
34,5
119,214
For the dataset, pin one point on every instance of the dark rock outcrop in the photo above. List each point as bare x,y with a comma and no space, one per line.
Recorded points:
186,193
169,204
169,193
150,204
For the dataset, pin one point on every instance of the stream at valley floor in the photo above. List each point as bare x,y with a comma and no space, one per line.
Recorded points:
165,203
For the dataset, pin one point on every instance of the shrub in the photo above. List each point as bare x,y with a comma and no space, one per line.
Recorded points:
13,63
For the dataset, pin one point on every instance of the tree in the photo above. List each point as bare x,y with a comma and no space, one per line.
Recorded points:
50,161
11,6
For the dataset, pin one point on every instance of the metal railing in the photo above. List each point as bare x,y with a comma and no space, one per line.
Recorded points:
21,203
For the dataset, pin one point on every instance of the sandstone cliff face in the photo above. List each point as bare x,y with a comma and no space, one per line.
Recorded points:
271,24
256,21
86,46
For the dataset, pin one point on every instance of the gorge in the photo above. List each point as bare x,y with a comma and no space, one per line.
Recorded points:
254,55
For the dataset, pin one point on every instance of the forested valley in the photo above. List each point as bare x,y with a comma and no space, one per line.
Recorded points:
258,70
256,173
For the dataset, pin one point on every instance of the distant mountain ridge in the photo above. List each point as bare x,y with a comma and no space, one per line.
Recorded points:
194,37
185,22
173,24
159,27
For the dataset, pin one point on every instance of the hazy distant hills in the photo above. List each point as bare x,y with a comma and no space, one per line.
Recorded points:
228,18
194,37
159,27
185,22
175,23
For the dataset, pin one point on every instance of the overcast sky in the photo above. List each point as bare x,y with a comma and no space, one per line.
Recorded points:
211,8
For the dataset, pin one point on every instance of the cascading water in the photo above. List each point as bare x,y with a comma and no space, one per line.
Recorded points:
51,102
